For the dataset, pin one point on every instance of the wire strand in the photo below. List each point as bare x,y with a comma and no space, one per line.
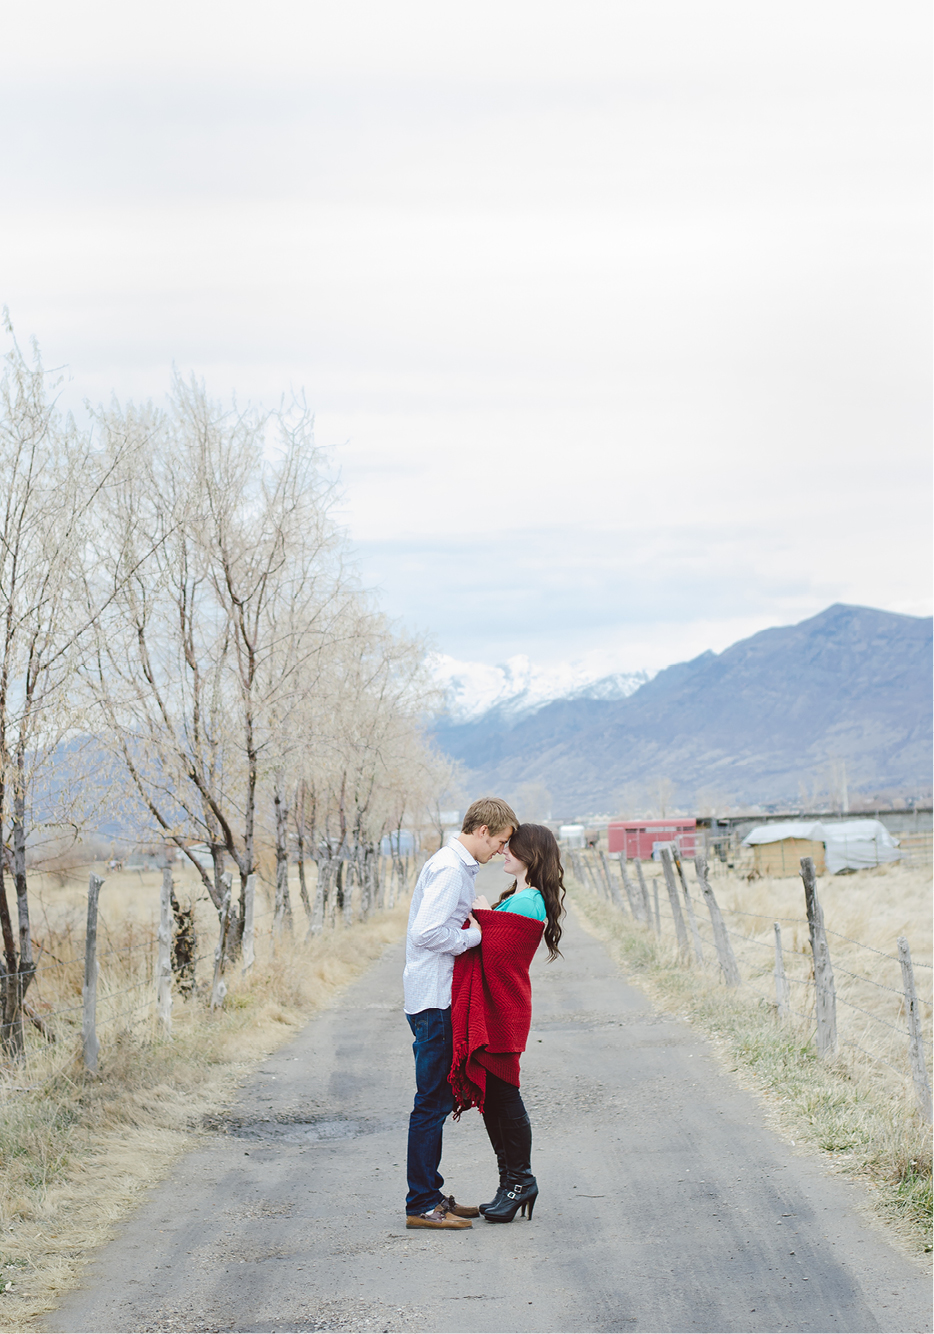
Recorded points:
874,1017
847,1042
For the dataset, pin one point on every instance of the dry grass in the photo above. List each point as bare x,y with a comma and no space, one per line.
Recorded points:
858,1111
75,1150
872,907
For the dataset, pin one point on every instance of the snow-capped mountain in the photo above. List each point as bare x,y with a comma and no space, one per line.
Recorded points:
517,687
750,725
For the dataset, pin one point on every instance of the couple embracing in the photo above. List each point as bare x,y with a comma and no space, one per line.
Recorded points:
468,1003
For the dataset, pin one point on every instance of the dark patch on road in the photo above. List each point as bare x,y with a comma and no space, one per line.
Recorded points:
667,1204
302,1129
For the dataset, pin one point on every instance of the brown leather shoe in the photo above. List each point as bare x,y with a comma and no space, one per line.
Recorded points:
438,1218
449,1203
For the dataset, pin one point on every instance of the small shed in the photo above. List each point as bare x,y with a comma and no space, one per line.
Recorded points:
834,845
778,848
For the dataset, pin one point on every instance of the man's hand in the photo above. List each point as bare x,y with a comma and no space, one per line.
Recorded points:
480,902
474,923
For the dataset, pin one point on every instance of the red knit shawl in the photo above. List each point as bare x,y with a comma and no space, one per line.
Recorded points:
491,1004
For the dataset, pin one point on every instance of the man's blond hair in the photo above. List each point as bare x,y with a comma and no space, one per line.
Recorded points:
493,813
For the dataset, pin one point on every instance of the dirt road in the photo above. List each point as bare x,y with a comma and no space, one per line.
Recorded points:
665,1205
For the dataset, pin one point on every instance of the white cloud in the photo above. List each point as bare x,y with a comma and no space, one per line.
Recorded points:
615,314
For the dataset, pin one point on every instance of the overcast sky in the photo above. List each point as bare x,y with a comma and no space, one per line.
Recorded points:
616,315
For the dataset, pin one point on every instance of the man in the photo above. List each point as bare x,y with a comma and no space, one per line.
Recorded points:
440,905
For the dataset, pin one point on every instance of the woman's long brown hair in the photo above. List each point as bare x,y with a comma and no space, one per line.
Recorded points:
537,848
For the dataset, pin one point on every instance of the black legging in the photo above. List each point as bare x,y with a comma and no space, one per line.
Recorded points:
502,1100
507,1124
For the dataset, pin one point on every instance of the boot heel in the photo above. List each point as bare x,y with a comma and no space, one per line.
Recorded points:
521,1186
510,1205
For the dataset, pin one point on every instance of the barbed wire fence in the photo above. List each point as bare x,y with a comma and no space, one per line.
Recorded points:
81,1004
884,1019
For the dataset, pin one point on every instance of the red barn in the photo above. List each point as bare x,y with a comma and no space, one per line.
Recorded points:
637,838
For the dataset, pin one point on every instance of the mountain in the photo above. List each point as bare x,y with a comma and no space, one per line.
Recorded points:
754,724
518,687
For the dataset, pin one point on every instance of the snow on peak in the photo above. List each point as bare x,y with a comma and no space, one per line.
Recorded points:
517,686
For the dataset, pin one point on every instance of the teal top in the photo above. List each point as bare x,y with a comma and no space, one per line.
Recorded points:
528,902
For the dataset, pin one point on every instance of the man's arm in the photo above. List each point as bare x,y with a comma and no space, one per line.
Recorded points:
439,903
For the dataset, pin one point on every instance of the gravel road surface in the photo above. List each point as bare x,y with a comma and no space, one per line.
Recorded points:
666,1203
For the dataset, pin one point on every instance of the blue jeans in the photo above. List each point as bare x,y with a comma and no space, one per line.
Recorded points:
434,1052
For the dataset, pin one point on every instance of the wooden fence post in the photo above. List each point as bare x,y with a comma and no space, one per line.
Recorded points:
826,995
598,888
668,867
782,988
164,965
611,881
725,955
219,986
249,934
610,891
89,990
658,915
695,934
584,873
627,886
915,1042
644,891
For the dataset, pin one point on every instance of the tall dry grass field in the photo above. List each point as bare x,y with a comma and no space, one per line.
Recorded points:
864,914
75,1149
860,1107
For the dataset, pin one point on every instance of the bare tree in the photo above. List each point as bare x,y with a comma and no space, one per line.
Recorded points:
158,670
662,790
53,477
212,646
172,585
449,783
386,695
534,801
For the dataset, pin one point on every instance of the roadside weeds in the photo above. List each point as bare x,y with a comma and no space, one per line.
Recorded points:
76,1150
825,1105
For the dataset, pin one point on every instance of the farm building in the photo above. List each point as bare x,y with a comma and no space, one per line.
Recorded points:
833,845
639,839
778,848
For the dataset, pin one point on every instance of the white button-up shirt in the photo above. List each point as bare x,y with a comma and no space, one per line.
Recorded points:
440,904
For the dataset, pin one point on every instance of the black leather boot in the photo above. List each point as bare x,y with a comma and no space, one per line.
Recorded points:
492,1129
521,1190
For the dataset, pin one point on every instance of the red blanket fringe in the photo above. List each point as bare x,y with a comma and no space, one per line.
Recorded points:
491,1004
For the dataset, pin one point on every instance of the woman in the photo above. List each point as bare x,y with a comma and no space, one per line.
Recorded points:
492,1009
